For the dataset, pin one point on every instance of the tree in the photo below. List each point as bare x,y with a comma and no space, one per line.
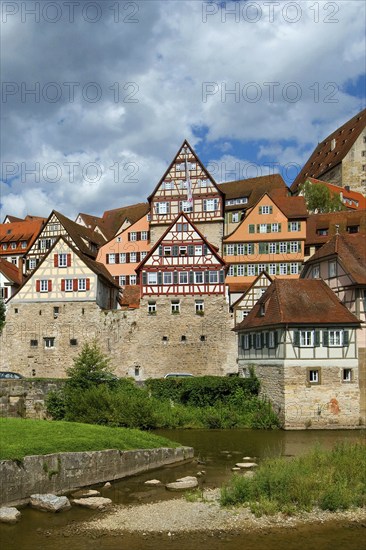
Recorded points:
90,368
319,199
2,314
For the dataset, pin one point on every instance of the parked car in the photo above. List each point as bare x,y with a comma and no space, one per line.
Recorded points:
10,375
177,375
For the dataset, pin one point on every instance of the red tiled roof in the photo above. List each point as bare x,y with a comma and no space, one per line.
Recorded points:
249,287
17,232
292,207
323,158
343,219
352,196
11,271
298,302
130,297
80,234
113,219
253,188
238,287
351,251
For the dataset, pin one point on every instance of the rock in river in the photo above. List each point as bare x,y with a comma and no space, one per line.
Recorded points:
94,503
188,482
49,503
9,515
85,493
246,465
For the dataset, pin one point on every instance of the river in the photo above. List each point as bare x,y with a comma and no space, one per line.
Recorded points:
217,452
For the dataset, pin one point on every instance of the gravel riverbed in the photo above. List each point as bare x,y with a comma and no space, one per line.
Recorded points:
180,515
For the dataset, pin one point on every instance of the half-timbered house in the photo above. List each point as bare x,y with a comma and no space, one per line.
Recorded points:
244,305
187,187
301,341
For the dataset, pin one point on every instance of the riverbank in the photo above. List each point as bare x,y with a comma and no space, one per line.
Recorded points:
182,516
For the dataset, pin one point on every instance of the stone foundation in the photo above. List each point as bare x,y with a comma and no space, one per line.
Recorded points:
26,399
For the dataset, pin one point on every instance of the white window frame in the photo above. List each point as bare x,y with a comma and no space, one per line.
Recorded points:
152,278
265,209
262,228
294,268
32,263
62,260
314,376
199,306
230,248
335,338
122,280
198,277
144,235
275,228
213,277
175,306
235,217
198,250
240,249
294,247
49,342
250,248
162,208
240,270
143,255
186,206
183,277
112,258
272,269
133,236
122,258
81,284
210,205
151,308
43,285
250,270
133,279
230,273
272,248
294,226
283,269
306,338
283,247
69,285
133,257
167,278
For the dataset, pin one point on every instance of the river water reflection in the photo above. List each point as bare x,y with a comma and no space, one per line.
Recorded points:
216,452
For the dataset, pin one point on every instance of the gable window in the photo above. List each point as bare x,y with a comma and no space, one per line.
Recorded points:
316,272
68,285
144,235
210,205
332,269
322,232
119,239
294,226
230,249
198,277
168,184
81,284
167,250
162,208
122,280
132,236
143,255
182,251
265,209
313,376
235,217
275,227
175,307
167,278
199,307
183,277
49,342
133,257
185,206
198,250
262,228
214,276
122,258
44,285
62,260
294,247
111,258
132,279
151,308
152,278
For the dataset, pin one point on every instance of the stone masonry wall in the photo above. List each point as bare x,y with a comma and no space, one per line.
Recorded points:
63,472
330,404
25,399
131,339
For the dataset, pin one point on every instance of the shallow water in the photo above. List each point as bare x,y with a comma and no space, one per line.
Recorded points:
217,451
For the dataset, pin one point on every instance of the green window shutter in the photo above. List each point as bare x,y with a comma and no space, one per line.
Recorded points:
346,338
175,250
269,227
299,226
207,276
296,338
205,250
160,278
235,250
235,270
251,228
191,277
288,226
279,227
277,269
260,210
258,227
325,338
277,248
265,339
144,278
261,248
175,277
221,276
316,338
276,338
271,209
190,250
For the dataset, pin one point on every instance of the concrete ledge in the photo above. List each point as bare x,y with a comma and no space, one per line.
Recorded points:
64,472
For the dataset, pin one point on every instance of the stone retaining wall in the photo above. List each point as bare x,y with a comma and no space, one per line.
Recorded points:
63,472
26,398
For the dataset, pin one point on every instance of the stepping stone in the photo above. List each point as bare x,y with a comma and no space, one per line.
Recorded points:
246,465
107,485
93,503
49,503
152,482
247,458
188,482
235,469
9,514
87,493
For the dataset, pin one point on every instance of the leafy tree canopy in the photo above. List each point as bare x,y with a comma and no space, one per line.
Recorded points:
319,199
90,367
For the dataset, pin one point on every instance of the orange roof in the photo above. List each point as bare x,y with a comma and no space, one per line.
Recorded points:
11,271
18,232
351,199
130,297
328,222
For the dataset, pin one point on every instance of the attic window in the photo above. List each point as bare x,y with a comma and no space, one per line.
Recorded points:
262,310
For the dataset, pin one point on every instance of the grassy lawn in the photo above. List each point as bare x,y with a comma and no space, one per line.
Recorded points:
331,480
19,438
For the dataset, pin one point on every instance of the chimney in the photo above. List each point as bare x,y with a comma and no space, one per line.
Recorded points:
332,144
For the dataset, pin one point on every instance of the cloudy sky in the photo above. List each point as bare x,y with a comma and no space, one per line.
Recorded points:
97,96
